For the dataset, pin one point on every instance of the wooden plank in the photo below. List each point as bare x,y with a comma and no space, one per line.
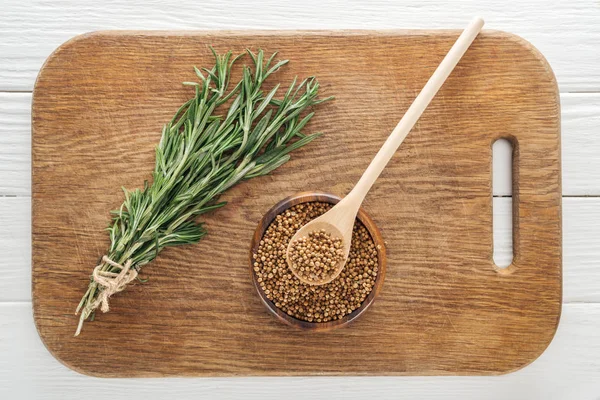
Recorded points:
568,369
581,228
581,225
567,33
580,145
502,168
15,247
15,144
503,231
439,257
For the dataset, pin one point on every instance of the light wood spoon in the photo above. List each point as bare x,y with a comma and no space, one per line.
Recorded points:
339,221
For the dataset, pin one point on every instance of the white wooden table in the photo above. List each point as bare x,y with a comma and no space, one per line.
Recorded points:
566,32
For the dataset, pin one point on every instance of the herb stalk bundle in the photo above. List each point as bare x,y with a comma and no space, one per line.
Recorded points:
201,154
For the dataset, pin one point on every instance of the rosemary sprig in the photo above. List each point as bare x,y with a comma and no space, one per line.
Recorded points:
202,154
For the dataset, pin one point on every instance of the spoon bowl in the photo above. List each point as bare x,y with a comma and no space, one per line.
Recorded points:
321,224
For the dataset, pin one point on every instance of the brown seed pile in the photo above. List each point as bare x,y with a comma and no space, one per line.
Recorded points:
312,303
315,258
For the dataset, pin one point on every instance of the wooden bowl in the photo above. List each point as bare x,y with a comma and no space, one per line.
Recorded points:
308,197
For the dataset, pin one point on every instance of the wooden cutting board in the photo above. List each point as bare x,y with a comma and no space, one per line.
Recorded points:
98,108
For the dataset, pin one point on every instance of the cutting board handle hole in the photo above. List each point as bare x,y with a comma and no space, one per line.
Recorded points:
502,206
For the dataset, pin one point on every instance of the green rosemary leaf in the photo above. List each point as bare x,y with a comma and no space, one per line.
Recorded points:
209,208
211,73
268,167
270,60
277,66
199,74
267,100
203,151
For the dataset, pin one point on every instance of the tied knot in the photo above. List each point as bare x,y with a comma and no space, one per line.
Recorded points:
111,282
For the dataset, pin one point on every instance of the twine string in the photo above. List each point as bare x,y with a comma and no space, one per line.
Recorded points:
111,282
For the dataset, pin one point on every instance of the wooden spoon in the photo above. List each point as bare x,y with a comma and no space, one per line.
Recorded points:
339,221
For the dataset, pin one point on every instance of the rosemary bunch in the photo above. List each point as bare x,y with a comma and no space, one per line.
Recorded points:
203,153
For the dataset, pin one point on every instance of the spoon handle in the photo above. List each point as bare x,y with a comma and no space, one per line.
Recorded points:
414,112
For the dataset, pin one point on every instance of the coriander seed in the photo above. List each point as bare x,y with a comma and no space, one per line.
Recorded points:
314,256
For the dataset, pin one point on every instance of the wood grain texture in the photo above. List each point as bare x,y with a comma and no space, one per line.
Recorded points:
568,370
15,247
98,107
581,228
580,118
15,144
566,32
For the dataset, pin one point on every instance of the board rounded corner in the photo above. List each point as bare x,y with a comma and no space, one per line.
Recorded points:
67,363
541,348
536,54
75,40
